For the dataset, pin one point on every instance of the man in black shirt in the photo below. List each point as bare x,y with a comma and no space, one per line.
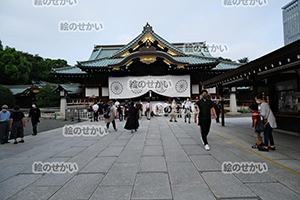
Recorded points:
35,115
206,107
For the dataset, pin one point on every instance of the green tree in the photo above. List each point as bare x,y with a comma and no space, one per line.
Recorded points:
1,47
6,97
244,60
14,68
225,59
47,97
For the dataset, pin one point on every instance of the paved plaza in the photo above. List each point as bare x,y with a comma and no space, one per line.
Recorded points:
163,160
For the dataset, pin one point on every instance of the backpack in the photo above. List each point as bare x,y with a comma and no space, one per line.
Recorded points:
107,112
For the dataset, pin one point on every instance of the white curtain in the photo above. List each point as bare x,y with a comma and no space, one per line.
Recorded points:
135,86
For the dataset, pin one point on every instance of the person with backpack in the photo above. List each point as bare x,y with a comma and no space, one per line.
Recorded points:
270,123
109,115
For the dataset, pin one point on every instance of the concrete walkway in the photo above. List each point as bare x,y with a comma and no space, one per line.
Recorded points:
162,160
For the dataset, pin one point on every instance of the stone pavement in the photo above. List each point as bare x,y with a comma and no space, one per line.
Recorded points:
162,160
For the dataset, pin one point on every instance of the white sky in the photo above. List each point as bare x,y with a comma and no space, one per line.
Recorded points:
247,31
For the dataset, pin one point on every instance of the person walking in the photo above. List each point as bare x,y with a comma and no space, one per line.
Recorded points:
120,111
148,110
110,115
205,107
270,124
100,111
132,122
17,121
173,114
4,124
217,107
95,111
35,115
188,110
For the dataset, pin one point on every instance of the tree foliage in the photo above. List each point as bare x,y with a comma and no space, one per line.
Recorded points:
47,97
6,97
21,68
14,68
244,60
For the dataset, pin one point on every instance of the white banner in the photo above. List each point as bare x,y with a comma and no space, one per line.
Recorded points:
135,86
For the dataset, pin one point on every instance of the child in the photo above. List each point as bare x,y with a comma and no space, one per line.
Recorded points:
255,118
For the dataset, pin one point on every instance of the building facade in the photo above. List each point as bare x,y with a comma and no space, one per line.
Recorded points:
291,22
147,68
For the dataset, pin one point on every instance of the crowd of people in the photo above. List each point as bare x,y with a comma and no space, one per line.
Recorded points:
204,109
12,123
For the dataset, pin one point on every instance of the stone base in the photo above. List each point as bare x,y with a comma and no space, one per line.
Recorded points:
233,113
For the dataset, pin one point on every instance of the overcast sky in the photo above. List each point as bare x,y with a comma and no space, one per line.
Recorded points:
246,31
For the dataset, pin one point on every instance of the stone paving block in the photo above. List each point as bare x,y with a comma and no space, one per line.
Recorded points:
129,157
192,192
195,150
186,141
153,142
80,187
70,152
111,151
85,143
119,192
226,185
121,174
182,135
35,193
153,151
53,180
184,173
176,155
274,191
255,178
206,163
99,164
152,186
125,136
153,164
11,171
14,184
117,143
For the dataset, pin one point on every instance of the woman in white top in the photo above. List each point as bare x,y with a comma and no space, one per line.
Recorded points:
267,113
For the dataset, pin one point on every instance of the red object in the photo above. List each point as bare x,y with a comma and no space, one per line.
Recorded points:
255,116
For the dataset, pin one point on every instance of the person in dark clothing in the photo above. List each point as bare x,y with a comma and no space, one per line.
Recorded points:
126,108
101,109
132,122
35,115
206,107
17,121
217,108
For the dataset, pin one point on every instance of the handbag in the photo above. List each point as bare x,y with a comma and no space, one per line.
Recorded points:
259,126
265,120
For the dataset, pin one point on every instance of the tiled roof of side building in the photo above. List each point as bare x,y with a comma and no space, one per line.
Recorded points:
72,88
223,65
69,70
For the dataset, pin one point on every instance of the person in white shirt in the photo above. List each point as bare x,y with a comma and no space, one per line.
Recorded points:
188,109
148,110
266,113
95,109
